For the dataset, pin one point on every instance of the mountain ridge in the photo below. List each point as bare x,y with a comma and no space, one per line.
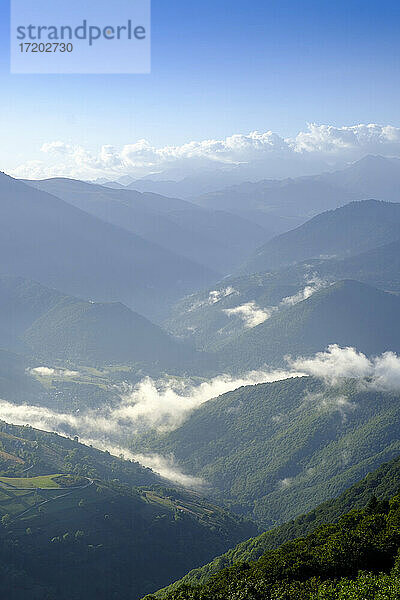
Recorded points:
48,240
351,229
219,241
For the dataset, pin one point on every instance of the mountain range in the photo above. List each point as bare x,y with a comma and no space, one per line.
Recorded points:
48,240
261,319
216,239
283,204
349,230
140,303
359,241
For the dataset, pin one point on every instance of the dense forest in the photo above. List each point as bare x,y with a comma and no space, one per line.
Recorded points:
382,483
356,558
299,438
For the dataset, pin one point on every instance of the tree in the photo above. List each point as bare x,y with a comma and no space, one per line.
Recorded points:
6,520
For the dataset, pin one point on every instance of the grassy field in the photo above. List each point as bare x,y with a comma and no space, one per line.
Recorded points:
41,493
43,482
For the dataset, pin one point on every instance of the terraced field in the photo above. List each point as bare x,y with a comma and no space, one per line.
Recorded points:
20,496
41,482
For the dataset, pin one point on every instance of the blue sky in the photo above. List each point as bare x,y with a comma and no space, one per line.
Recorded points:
219,67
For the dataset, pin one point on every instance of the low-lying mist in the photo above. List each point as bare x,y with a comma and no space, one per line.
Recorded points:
252,314
163,405
160,405
379,372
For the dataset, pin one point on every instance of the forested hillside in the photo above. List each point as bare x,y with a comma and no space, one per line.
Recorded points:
382,483
347,313
351,229
43,323
77,522
300,440
357,558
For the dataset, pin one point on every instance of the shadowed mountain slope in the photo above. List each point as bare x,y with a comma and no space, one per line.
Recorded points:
48,240
352,229
216,239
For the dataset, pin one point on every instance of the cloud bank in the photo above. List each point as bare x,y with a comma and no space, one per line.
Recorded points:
164,405
49,372
380,372
167,467
310,151
161,405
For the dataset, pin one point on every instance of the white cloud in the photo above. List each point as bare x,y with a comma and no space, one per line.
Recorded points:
351,142
286,483
42,371
250,313
167,467
323,144
49,372
386,372
163,405
334,363
313,285
381,372
214,297
55,147
217,295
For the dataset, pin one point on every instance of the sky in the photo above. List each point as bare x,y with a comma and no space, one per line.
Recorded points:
219,68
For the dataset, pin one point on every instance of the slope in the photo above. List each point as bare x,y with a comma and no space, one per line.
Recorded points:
379,267
92,532
215,239
236,304
352,229
383,483
326,564
347,313
299,440
16,385
51,326
48,240
98,333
